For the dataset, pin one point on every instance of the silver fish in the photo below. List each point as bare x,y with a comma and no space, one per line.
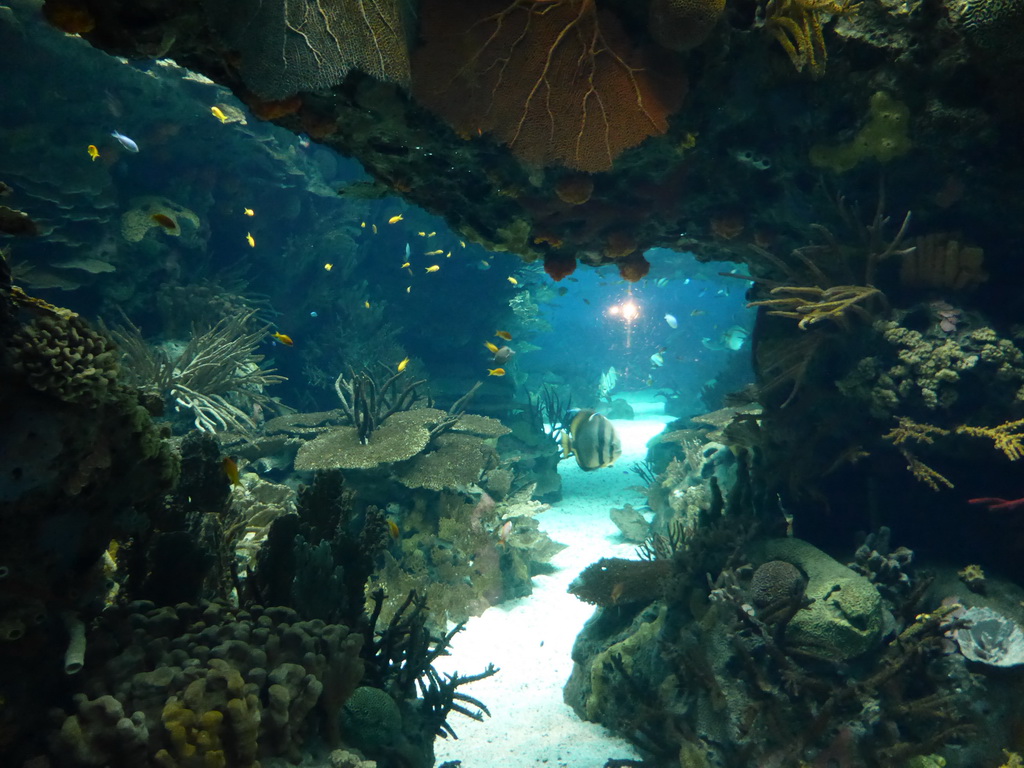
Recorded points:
503,354
125,142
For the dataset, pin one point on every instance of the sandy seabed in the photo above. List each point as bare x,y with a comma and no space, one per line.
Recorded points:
531,639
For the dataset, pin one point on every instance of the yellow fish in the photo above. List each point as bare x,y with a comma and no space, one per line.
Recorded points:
366,304
283,339
406,264
248,212
433,253
374,228
503,335
328,266
216,112
393,529
250,239
513,281
448,255
362,224
422,234
408,289
495,371
93,152
431,234
229,465
433,268
395,219
492,348
401,365
462,243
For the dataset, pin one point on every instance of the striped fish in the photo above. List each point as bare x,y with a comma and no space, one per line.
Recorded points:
591,438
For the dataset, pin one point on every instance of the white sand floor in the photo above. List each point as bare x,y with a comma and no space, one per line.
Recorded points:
530,639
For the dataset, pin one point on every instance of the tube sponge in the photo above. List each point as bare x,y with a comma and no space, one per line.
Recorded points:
74,656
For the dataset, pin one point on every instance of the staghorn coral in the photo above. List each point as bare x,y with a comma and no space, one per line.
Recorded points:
63,356
1007,437
557,81
211,378
289,46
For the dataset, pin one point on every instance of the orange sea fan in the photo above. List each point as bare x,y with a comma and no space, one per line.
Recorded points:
556,80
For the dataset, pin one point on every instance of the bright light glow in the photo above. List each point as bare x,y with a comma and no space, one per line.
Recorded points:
613,310
630,311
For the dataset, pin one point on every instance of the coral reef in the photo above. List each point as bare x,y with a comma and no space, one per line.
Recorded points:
84,463
207,685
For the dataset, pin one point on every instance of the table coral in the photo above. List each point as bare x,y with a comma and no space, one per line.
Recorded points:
137,221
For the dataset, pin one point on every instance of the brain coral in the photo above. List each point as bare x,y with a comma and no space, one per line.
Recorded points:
683,24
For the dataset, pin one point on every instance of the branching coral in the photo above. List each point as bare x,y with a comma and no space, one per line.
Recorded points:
367,402
1007,437
811,304
556,81
797,25
214,369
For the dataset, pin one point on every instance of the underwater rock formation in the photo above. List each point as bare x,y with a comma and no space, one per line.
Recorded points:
85,464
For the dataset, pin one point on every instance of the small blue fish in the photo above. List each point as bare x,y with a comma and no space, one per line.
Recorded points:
125,142
312,314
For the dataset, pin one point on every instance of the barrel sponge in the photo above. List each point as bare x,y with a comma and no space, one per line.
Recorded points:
65,357
680,25
290,46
